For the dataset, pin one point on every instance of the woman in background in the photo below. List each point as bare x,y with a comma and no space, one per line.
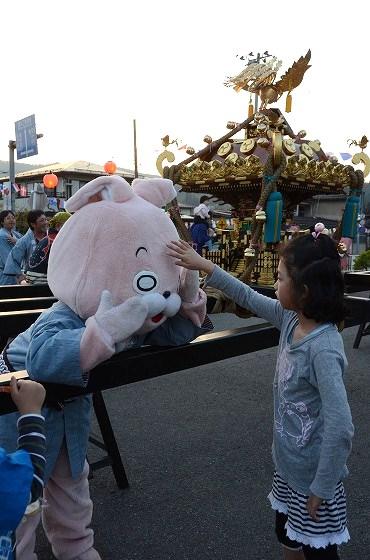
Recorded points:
8,238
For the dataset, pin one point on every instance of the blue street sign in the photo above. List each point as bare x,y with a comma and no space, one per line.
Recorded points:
26,137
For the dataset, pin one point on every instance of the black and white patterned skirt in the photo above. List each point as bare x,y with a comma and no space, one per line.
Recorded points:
331,528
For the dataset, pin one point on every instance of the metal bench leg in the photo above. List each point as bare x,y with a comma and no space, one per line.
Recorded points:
109,441
359,334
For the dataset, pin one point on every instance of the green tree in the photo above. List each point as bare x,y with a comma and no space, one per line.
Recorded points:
21,217
362,261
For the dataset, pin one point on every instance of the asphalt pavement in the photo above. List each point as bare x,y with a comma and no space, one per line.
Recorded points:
196,445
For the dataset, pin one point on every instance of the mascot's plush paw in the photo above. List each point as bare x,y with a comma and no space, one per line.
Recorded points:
189,288
193,298
121,321
110,329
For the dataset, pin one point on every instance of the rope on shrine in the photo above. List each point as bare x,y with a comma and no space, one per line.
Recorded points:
173,208
269,185
174,173
357,180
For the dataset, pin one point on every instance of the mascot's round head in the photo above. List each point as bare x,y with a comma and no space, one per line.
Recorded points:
115,240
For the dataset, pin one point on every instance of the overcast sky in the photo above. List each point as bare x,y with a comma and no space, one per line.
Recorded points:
87,68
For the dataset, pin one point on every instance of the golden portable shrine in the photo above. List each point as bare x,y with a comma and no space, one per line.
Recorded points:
264,175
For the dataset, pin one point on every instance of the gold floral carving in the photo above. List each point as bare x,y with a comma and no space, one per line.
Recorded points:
324,172
250,166
235,168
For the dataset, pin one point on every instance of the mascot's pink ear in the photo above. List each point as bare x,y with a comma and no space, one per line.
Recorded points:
157,191
110,187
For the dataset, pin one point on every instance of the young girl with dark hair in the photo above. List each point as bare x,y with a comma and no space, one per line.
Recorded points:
312,419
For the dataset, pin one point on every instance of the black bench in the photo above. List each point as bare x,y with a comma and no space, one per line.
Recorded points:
14,322
23,291
26,303
150,362
363,330
358,282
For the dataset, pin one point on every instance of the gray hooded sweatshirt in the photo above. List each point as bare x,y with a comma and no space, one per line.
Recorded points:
312,420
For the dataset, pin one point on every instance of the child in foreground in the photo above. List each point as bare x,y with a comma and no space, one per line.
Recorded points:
22,472
312,419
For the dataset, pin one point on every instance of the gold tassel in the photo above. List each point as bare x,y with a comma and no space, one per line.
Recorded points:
288,103
250,109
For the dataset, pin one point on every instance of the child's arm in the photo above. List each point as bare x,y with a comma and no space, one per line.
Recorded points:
31,430
328,367
241,293
29,397
263,306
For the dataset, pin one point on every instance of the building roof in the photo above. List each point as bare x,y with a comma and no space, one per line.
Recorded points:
79,167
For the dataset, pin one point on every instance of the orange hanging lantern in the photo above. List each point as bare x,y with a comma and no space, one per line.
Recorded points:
110,167
50,180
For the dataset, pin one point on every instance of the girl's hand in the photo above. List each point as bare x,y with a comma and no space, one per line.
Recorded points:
188,258
313,504
12,240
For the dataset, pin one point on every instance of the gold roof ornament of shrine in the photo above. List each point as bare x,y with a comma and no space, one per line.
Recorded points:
361,157
230,166
233,169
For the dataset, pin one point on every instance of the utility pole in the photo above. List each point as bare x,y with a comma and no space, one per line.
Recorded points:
12,146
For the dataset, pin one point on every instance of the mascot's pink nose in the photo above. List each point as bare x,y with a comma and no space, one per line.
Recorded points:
166,294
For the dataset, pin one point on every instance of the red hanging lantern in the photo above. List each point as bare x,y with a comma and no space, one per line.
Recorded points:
110,167
50,180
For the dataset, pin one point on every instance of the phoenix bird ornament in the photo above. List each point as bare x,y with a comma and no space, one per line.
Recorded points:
260,78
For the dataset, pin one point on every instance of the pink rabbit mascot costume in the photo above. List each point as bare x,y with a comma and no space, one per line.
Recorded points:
117,289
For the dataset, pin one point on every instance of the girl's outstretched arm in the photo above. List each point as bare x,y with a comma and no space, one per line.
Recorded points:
241,293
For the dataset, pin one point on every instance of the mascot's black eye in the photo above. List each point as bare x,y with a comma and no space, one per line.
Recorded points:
140,249
145,281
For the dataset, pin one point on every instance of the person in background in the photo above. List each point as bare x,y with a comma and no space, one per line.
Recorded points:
22,472
199,234
201,230
8,238
38,262
347,252
18,258
203,210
